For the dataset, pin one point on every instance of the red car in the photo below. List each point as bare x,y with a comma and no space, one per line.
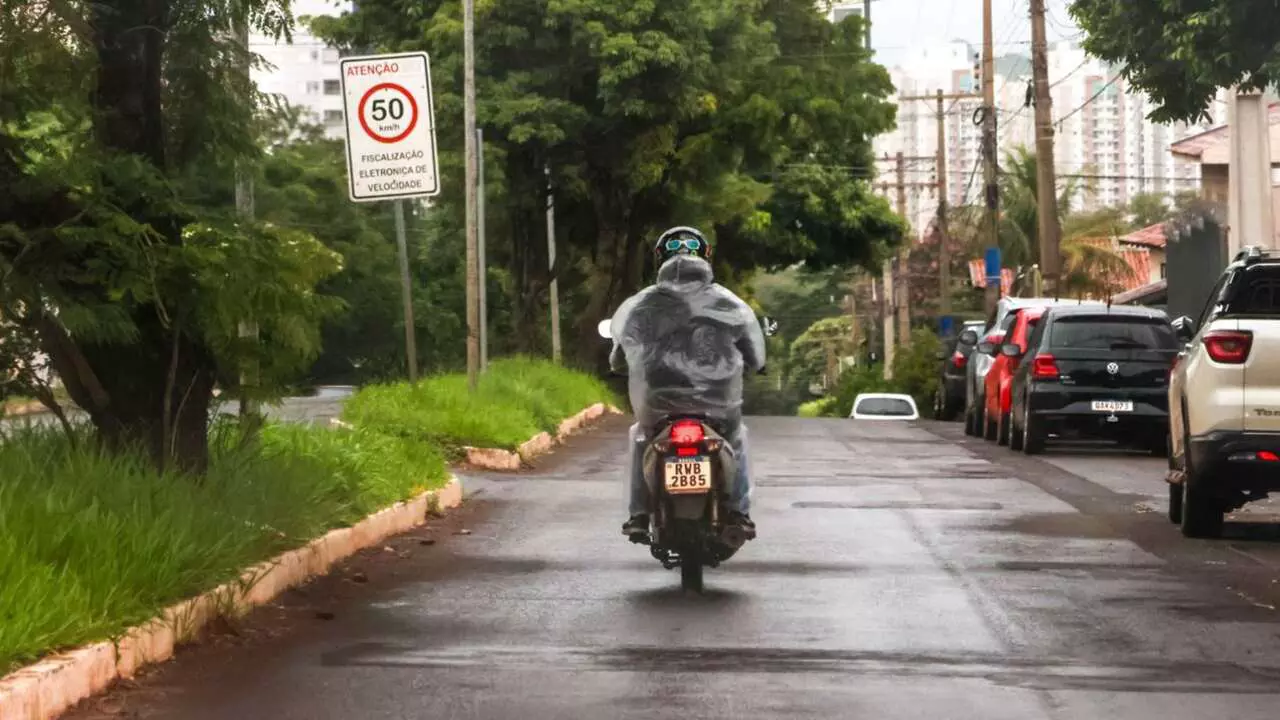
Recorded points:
999,380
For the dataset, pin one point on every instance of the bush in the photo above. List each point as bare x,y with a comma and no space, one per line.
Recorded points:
91,544
915,373
822,407
517,398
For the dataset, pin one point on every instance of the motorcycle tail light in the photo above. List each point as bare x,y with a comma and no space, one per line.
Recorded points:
958,359
686,433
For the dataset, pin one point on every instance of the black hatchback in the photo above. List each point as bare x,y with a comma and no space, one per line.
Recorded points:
1094,372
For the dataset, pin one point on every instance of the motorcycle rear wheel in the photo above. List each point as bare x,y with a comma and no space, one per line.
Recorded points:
691,575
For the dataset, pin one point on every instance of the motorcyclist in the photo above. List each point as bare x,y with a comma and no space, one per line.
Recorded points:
686,342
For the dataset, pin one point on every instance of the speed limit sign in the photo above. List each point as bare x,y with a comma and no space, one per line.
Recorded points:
391,138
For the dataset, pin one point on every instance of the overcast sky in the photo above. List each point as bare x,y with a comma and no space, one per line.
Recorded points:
899,25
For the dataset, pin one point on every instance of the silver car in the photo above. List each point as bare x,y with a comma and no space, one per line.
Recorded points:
984,355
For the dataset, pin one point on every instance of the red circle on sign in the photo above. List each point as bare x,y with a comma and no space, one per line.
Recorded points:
413,109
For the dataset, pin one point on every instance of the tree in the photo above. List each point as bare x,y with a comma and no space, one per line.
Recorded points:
1149,209
749,118
121,259
1088,267
1181,53
302,184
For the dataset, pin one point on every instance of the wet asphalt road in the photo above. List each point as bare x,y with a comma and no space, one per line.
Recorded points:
901,572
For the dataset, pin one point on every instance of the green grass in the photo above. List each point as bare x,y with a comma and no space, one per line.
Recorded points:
91,544
516,399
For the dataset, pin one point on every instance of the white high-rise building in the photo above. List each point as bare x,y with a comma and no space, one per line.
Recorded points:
304,72
1103,139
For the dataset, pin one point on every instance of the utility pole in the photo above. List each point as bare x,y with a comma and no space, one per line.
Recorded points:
484,271
248,328
940,160
991,189
556,352
904,265
1046,181
866,21
473,241
944,251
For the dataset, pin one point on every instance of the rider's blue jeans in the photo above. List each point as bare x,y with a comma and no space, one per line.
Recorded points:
739,490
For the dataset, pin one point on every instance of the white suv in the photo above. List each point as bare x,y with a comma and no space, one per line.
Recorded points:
1224,398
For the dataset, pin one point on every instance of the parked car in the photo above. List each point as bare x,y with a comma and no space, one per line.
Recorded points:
999,380
955,353
1224,398
1093,372
980,362
884,406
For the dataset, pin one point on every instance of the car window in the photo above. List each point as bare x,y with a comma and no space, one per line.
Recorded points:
1112,333
886,407
1256,292
1037,332
1215,297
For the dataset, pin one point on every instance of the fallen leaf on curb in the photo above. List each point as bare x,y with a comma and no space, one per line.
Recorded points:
464,531
325,615
359,577
388,548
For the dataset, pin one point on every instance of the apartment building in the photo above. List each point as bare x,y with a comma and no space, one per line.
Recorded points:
304,72
1104,141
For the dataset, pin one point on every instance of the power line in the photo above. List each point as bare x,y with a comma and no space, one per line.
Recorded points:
1095,96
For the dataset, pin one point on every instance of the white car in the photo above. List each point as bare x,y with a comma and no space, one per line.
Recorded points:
884,406
1224,398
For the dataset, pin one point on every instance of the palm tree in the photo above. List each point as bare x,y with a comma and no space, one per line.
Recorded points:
1088,267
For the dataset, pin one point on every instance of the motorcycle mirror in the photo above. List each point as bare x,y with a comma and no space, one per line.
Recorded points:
605,328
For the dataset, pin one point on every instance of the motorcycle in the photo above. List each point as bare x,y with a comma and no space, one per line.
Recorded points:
687,463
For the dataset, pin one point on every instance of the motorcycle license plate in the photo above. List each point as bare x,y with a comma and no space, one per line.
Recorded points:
685,476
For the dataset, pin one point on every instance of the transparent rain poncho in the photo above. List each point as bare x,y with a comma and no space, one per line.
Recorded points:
686,341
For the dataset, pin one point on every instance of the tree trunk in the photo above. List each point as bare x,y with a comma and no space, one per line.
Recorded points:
154,393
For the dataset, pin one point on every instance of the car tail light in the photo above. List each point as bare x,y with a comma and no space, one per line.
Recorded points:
1268,456
1230,347
1044,367
958,359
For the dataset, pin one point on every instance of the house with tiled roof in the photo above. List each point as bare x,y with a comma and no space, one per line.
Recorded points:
1211,149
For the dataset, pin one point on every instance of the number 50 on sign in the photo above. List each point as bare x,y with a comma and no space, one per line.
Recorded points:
391,135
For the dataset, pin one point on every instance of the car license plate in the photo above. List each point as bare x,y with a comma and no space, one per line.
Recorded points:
688,475
1113,406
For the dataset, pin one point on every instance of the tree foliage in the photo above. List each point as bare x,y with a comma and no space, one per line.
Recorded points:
1180,52
120,259
749,118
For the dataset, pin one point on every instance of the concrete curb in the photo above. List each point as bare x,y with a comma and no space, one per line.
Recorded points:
45,690
540,444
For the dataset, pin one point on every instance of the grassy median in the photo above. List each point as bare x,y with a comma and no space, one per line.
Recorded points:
92,544
515,400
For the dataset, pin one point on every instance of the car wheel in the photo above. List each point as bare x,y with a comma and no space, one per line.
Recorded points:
1032,435
1015,435
989,429
1202,514
1002,430
1175,503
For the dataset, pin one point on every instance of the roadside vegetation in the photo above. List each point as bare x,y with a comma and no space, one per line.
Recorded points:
915,373
93,541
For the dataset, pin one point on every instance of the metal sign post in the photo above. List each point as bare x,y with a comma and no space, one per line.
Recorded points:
391,147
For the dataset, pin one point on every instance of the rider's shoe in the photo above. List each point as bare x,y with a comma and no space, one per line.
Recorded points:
742,520
636,525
